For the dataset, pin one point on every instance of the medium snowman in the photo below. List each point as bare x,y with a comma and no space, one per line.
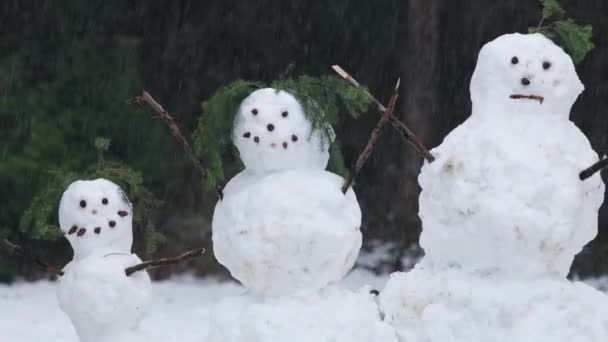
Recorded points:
283,224
103,303
286,231
504,211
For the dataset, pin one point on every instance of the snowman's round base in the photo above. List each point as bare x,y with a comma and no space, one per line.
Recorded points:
287,231
332,314
454,306
100,300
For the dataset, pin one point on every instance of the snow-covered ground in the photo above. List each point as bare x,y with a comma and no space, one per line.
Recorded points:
180,310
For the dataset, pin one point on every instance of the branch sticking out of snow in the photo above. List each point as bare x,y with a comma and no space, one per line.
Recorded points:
593,169
395,122
373,139
14,249
165,261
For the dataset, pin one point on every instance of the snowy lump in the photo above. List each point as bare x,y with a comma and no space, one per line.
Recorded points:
287,231
99,298
272,132
330,315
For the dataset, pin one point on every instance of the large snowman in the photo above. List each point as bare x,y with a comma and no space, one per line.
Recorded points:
504,212
101,301
286,231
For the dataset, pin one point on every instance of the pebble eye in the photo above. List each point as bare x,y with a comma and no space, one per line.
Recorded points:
254,111
284,114
104,201
514,60
294,138
546,65
83,204
247,135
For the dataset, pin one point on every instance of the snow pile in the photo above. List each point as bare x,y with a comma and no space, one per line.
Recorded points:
456,306
504,212
331,314
101,301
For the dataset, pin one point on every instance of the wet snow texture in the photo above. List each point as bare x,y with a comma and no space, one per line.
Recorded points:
287,231
329,315
180,309
504,212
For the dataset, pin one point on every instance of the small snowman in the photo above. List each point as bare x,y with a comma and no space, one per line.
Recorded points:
504,211
103,303
283,224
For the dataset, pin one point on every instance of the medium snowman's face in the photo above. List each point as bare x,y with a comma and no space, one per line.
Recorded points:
524,74
272,133
95,215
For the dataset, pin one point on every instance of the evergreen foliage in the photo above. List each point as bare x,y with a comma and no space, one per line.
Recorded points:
322,98
39,221
574,38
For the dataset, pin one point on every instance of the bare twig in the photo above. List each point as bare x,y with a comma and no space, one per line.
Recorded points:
165,261
18,250
147,99
373,139
405,132
593,169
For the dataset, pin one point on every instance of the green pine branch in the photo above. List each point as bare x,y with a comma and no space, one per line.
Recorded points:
575,39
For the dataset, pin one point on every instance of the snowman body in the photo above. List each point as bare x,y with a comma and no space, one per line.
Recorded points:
289,231
504,212
95,293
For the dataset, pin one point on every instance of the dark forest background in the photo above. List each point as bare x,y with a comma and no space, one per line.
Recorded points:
68,67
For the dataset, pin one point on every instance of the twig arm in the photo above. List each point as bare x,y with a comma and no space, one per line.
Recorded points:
146,99
373,139
593,169
405,132
14,249
146,265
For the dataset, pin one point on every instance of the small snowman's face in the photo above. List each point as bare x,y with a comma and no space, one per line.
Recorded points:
272,133
524,74
94,215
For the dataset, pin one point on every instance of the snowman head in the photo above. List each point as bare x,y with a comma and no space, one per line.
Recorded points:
524,74
272,132
96,216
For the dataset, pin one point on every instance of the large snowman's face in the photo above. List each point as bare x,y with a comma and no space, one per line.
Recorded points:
96,215
524,74
272,133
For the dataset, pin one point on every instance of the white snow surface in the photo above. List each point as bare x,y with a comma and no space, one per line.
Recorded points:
504,212
272,133
328,315
456,306
504,195
180,309
287,231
